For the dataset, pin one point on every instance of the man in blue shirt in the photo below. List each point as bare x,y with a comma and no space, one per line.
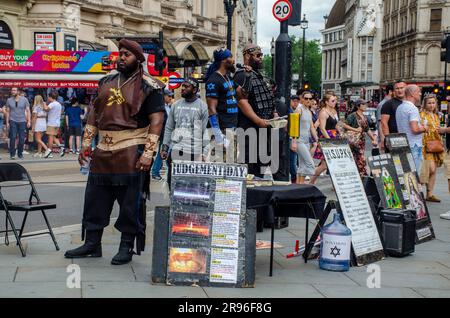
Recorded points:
74,116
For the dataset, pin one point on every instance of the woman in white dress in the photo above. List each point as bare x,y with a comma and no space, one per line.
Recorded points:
39,124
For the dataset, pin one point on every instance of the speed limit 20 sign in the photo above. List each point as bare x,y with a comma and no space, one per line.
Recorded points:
282,10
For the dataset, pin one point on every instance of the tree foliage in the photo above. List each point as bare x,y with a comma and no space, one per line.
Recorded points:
313,61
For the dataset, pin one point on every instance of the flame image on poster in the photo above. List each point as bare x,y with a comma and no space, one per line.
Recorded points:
415,198
392,198
190,224
187,260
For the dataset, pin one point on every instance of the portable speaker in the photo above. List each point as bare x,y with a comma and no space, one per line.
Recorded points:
398,229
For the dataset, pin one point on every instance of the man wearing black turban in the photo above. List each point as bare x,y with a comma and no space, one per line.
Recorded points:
128,115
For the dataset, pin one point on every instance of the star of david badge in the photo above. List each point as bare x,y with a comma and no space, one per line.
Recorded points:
108,140
211,86
335,251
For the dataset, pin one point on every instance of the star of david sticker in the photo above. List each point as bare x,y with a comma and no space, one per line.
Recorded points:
108,140
335,251
211,86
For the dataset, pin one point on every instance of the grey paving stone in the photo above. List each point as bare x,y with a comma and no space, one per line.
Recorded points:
32,260
336,291
305,276
41,290
435,246
142,272
42,274
265,290
416,280
12,248
433,293
138,290
123,273
7,273
429,255
406,265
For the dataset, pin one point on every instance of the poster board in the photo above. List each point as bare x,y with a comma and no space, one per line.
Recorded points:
355,207
207,224
386,179
398,147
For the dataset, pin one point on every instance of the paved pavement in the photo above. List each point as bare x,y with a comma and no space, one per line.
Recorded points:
44,271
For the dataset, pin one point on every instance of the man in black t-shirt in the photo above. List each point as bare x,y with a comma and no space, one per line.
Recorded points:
256,106
222,95
221,90
388,120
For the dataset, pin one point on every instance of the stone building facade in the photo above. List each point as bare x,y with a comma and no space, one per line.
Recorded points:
411,46
333,44
351,42
192,28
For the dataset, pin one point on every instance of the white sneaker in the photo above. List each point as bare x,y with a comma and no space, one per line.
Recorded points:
25,152
37,154
62,152
445,216
47,153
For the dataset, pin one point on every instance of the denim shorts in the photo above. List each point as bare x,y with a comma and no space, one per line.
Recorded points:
416,152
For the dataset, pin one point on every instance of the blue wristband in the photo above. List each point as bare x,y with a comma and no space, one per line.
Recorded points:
214,121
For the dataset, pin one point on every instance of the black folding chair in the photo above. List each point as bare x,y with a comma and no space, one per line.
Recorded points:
18,175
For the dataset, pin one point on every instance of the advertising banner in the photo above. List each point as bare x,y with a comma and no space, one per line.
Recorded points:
54,61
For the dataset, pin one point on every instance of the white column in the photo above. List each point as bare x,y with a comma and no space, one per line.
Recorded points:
329,64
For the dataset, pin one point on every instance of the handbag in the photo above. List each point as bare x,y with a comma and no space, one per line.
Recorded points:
353,137
434,146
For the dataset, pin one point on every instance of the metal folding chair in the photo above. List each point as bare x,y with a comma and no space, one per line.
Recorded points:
18,175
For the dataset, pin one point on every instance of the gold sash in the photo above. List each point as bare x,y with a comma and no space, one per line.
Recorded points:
115,140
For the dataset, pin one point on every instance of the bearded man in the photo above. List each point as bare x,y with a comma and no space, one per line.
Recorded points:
256,105
128,116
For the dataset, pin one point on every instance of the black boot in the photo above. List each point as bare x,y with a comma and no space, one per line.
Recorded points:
92,246
126,252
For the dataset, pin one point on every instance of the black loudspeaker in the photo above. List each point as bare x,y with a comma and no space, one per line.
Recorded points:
398,229
281,222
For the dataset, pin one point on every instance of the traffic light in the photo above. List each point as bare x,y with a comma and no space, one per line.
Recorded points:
306,86
445,46
447,89
160,64
436,89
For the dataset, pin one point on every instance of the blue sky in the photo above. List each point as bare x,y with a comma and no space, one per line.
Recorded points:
268,27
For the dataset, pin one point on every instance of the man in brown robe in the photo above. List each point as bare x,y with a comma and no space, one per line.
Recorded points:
128,115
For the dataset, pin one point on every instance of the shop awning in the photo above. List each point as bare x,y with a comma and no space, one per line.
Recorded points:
91,46
46,80
194,54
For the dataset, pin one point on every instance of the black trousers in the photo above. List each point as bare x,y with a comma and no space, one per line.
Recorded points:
255,166
98,205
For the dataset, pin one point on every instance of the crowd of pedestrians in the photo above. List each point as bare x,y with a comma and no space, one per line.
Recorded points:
54,125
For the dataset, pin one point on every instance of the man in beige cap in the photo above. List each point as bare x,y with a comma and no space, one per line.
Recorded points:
257,105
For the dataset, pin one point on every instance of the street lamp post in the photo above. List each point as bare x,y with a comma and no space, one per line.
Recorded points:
304,26
272,53
230,5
